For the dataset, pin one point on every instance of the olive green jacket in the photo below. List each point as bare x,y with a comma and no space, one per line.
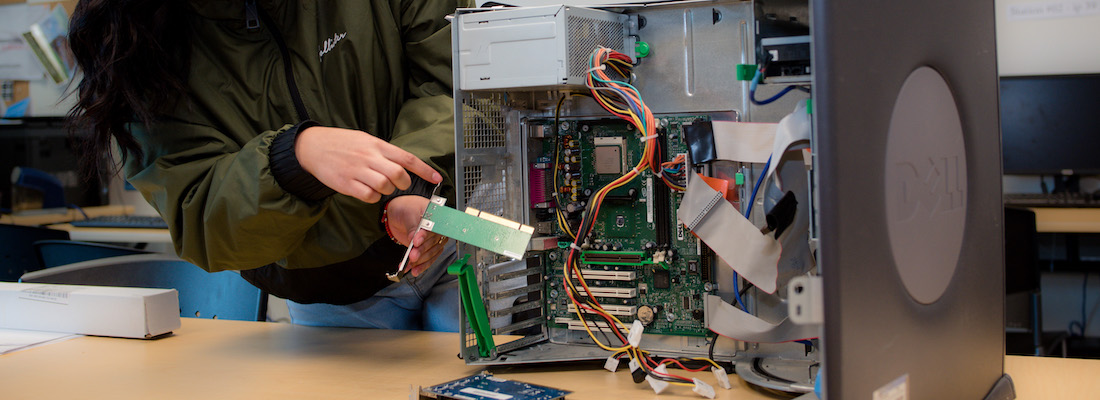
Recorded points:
383,67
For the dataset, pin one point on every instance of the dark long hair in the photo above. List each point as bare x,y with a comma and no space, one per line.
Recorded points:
134,55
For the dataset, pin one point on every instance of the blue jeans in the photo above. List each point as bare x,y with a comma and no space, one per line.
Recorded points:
427,302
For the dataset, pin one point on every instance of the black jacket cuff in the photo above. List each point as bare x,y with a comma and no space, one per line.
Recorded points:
418,187
288,173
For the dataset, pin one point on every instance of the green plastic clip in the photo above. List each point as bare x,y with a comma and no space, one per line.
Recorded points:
810,106
473,305
739,178
641,49
745,72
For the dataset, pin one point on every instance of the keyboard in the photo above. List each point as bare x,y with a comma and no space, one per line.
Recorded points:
1069,200
122,221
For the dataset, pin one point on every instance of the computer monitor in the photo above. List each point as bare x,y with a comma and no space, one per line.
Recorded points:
1050,125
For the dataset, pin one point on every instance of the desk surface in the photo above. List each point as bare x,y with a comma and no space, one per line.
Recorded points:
1067,220
234,359
32,218
116,235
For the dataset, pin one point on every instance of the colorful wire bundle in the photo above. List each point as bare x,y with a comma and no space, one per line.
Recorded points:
623,100
673,173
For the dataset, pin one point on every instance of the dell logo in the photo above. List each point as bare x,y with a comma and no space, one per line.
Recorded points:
925,185
930,186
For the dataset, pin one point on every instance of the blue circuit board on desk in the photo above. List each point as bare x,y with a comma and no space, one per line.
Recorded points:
488,387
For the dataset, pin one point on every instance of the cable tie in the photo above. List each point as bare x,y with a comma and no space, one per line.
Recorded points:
601,67
645,138
575,247
636,171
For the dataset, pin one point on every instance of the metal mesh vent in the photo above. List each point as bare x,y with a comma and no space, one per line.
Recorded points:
585,35
483,129
486,193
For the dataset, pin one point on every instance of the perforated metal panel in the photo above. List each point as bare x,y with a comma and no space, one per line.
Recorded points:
484,128
485,193
587,34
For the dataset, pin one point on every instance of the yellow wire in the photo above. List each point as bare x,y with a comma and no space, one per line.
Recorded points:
584,323
641,363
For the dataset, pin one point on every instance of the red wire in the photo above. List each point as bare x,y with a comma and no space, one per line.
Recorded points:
646,358
677,362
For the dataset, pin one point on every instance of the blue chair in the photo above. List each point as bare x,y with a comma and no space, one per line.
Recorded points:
218,295
53,253
17,254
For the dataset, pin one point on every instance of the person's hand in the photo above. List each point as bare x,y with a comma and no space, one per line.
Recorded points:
403,216
358,164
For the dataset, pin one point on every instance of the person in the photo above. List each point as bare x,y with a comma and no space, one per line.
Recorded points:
294,141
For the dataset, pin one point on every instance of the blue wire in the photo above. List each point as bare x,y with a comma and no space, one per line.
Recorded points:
737,292
752,91
759,182
748,211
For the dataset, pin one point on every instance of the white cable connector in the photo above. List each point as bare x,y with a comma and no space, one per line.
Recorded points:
722,376
612,363
633,365
703,389
635,336
657,384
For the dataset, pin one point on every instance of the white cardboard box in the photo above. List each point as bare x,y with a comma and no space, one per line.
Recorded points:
90,310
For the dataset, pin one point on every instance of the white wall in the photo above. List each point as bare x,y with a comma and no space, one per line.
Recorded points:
1048,37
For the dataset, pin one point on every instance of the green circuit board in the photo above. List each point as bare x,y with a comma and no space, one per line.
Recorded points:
639,262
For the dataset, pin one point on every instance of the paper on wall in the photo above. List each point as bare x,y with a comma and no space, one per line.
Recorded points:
17,61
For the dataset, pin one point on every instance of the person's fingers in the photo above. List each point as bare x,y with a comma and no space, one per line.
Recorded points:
361,191
413,164
394,173
376,180
426,254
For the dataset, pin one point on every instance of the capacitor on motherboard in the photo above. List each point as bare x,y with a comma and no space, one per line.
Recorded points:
573,207
571,152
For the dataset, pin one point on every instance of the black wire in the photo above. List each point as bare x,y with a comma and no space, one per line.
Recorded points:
758,367
710,350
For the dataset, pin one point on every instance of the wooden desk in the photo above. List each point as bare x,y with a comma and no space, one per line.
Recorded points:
116,235
1067,220
35,219
250,360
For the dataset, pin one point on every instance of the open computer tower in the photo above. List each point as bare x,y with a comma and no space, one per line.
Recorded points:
843,157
